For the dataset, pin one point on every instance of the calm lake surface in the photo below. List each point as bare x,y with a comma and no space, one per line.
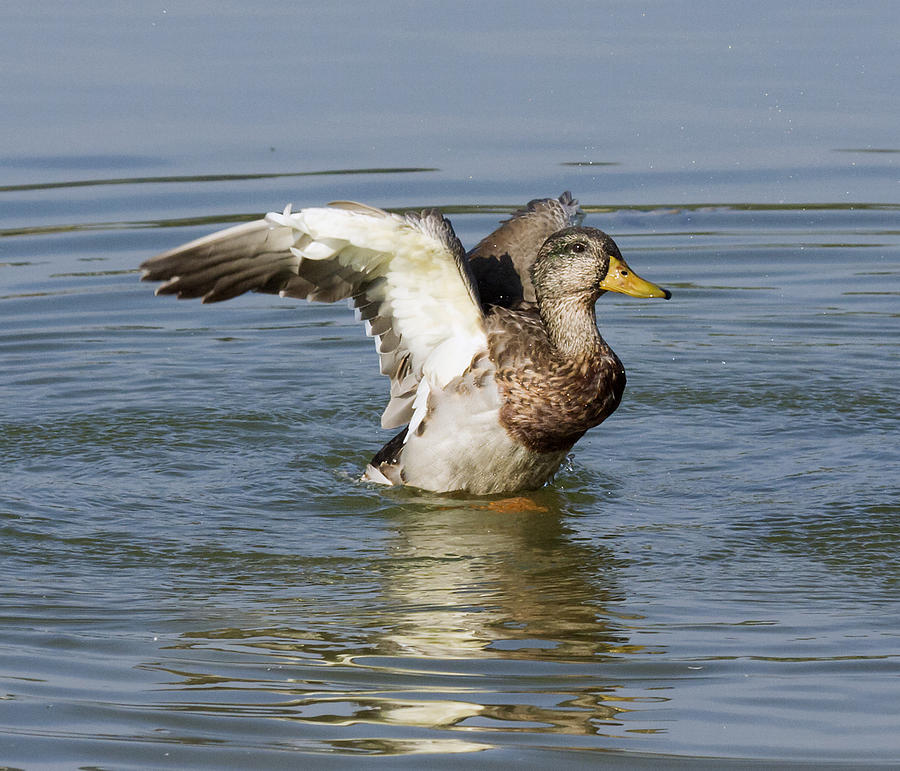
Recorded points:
191,574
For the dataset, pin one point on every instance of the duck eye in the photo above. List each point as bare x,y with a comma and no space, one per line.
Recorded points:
578,247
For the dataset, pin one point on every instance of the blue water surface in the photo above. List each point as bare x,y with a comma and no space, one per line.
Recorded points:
192,574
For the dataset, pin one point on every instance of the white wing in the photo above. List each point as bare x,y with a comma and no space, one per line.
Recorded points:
406,274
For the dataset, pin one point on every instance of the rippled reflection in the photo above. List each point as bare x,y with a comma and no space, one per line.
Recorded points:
479,620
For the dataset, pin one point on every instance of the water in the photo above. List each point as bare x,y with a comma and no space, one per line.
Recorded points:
192,574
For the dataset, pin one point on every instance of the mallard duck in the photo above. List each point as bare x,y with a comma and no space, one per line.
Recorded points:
495,362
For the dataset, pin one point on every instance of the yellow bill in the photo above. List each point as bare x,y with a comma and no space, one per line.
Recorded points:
621,278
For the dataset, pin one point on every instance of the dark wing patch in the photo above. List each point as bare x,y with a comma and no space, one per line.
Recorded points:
502,261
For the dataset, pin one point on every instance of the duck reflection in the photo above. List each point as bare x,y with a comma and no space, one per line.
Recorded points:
492,616
487,579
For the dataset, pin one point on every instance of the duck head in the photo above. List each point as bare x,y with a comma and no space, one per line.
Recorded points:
585,263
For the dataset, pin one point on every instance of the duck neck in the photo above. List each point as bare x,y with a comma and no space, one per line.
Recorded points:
571,324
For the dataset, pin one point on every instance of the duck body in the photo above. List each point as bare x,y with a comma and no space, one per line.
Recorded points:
510,421
463,445
496,364
550,398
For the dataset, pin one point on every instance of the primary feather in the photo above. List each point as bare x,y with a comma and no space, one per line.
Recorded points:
381,261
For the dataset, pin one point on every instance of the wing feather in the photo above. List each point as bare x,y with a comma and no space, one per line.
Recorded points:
501,263
407,276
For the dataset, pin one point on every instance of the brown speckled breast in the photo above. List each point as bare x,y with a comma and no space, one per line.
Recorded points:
549,401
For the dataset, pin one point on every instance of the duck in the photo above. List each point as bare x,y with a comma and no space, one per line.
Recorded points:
495,362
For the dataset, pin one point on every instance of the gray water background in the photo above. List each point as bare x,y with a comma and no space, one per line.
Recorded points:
191,574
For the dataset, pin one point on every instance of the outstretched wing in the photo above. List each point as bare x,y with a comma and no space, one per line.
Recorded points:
406,275
502,261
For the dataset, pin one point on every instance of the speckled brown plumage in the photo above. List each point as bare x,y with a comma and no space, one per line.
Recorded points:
549,399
